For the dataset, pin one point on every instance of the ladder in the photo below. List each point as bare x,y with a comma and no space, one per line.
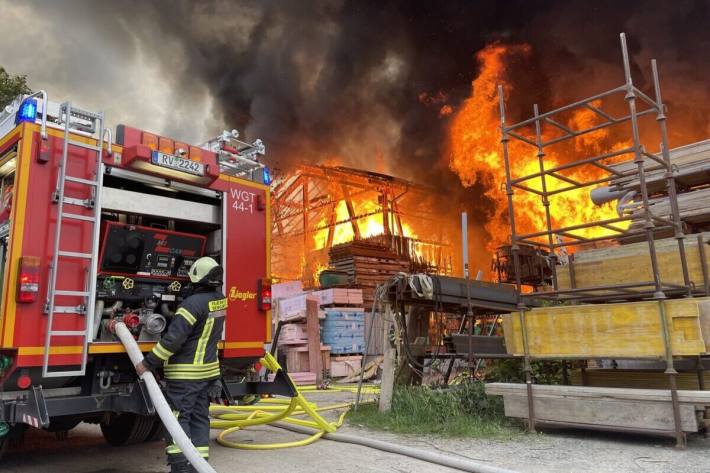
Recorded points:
87,122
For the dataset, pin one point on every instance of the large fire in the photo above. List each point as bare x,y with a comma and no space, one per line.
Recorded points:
475,155
370,223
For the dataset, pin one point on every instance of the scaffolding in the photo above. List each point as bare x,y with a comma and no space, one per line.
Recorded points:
553,240
316,207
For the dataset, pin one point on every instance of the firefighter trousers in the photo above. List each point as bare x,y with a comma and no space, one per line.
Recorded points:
190,403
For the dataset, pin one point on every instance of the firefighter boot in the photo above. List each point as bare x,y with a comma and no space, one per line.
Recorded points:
181,467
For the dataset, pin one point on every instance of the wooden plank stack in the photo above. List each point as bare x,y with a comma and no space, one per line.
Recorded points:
308,348
293,308
692,207
344,330
605,408
690,163
647,379
691,168
298,358
367,264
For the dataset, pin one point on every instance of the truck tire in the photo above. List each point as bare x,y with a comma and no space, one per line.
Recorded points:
62,424
4,442
157,432
126,429
14,436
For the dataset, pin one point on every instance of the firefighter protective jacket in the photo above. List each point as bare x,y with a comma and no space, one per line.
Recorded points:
188,350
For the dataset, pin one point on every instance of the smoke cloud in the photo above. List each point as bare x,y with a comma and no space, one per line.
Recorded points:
369,84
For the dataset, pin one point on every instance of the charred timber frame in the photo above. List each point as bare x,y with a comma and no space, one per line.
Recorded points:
306,202
557,238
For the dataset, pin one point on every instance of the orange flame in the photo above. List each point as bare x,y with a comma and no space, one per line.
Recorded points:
370,224
475,155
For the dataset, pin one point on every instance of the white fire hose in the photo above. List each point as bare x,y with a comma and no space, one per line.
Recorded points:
161,405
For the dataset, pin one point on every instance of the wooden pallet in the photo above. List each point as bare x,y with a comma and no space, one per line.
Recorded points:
297,358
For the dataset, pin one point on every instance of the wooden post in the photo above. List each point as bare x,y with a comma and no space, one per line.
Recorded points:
389,364
315,359
331,224
386,213
351,212
306,210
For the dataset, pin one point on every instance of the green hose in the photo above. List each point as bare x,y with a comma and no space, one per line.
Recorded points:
4,429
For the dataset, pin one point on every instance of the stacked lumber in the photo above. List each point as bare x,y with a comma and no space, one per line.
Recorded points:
286,289
293,334
632,263
604,408
367,265
648,379
691,168
691,164
293,308
692,208
299,337
298,358
339,329
339,296
344,331
622,330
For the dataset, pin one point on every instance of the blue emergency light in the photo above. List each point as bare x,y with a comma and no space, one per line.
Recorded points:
27,111
266,175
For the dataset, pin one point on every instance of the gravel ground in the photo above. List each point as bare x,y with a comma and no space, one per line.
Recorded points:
84,451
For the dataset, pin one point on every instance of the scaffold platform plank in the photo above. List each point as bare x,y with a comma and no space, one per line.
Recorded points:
610,408
628,263
622,330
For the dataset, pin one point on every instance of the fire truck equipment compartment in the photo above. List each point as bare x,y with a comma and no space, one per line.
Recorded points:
131,202
148,252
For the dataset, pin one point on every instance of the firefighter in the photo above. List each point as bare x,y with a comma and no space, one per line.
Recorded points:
188,354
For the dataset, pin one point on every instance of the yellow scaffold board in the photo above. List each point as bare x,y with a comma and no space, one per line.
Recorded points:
632,263
609,330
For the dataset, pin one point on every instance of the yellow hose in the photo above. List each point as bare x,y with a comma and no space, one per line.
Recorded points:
268,410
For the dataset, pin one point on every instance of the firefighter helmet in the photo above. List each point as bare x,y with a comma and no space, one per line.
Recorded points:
206,271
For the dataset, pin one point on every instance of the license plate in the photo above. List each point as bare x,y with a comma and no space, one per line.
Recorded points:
177,163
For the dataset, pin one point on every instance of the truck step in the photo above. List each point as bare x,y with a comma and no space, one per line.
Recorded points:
71,293
72,216
74,254
79,180
68,333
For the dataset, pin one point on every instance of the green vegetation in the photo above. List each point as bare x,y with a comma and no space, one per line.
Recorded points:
511,371
461,411
11,86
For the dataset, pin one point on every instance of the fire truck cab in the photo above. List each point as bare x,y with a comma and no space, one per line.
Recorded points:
98,227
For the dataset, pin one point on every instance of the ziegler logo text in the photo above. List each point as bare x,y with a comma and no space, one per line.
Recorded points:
237,295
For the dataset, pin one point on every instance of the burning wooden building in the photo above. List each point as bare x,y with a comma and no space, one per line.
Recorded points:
364,225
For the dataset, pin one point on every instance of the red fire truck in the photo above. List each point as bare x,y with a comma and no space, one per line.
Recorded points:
97,227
